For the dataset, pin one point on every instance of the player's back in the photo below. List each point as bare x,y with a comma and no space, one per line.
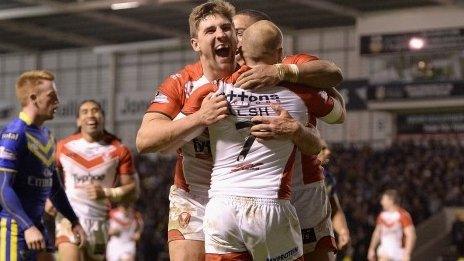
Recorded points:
242,165
27,151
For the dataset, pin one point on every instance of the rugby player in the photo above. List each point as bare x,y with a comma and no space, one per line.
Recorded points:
394,235
96,168
27,172
309,194
158,131
338,216
125,229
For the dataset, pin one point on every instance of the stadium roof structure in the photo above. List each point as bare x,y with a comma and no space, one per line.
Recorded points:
39,25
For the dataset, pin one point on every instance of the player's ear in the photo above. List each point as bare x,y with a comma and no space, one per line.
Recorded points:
195,44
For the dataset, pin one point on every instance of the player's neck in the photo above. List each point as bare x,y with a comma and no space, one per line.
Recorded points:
32,116
92,137
213,73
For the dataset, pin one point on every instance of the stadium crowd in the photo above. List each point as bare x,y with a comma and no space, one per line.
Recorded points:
428,175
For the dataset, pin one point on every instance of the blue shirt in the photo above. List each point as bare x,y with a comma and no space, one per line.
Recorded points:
27,152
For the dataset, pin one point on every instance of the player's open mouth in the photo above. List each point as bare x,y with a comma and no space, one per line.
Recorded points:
91,123
222,51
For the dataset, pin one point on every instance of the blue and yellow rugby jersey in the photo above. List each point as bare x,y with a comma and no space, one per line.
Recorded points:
27,152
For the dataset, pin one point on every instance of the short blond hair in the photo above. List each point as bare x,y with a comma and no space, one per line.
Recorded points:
28,83
209,8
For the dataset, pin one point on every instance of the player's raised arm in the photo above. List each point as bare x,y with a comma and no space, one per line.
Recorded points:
321,74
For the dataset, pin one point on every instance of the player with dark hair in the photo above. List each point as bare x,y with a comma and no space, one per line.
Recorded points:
96,168
27,172
394,235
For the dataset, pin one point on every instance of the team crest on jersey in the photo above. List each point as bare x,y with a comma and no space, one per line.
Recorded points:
184,219
160,98
7,154
47,172
10,136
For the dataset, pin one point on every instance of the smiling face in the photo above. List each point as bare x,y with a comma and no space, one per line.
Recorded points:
216,43
90,119
46,99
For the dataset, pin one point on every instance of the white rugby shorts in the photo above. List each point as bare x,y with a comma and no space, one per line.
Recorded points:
186,213
96,231
312,206
266,228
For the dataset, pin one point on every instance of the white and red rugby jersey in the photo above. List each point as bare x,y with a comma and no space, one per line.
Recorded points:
194,161
392,225
83,163
249,168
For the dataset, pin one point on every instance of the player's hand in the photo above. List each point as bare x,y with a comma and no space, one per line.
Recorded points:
34,239
283,126
50,209
80,235
136,237
94,191
371,255
343,240
258,77
213,109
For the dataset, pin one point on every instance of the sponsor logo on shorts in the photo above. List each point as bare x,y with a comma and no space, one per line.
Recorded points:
160,98
184,219
7,154
308,235
284,256
10,136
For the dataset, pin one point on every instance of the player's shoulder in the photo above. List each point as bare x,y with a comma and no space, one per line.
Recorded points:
69,138
14,130
120,147
190,72
299,58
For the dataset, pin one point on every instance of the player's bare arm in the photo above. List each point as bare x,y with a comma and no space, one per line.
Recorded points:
371,255
286,127
339,222
320,74
158,132
116,194
410,240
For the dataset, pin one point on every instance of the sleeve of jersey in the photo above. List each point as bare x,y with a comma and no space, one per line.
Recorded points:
11,145
169,97
126,166
325,107
299,58
60,200
405,219
10,201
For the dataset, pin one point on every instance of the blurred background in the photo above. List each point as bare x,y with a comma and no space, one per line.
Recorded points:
402,61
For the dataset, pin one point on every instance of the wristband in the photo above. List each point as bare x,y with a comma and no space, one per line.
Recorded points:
293,73
114,193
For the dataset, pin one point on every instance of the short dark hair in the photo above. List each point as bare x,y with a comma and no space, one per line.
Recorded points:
255,14
393,195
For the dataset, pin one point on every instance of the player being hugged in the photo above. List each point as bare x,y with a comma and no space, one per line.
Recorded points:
96,167
27,172
125,229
